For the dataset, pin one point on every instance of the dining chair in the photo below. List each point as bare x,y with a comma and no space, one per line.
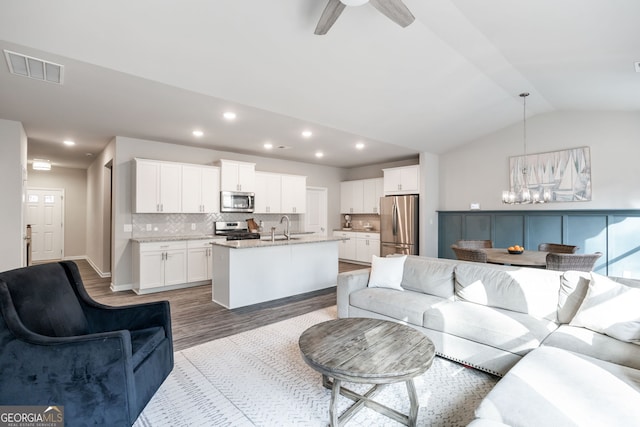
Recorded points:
578,262
474,244
467,254
557,248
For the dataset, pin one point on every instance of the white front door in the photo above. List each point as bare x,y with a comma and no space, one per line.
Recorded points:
44,212
316,216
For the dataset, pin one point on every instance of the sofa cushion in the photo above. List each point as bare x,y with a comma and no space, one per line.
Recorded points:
504,329
554,387
429,276
594,344
610,308
406,306
573,288
525,290
387,272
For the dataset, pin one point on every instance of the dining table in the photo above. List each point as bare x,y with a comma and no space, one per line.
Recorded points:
525,259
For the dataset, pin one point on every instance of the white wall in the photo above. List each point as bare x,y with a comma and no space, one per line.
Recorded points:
13,164
478,171
128,148
428,208
74,183
98,208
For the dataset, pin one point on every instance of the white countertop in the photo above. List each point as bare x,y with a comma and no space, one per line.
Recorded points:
147,239
280,241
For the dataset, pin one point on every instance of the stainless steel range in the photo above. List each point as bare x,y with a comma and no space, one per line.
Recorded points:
234,230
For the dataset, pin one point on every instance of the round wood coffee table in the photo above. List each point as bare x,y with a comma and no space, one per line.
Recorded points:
369,351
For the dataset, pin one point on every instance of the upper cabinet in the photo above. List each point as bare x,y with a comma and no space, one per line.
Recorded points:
237,176
200,189
371,193
402,180
268,193
361,196
294,194
157,187
169,187
278,193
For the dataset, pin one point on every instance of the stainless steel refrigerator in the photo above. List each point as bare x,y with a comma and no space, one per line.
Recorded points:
399,225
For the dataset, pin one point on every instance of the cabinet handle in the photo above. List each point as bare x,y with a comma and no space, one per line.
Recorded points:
161,207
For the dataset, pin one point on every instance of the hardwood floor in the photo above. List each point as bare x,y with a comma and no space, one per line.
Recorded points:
196,319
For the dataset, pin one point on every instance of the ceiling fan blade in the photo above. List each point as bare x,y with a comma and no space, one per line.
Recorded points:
395,10
329,15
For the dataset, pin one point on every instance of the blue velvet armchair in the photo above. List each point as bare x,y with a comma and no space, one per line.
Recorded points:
60,347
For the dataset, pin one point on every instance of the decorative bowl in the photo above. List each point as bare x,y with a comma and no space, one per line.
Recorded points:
515,252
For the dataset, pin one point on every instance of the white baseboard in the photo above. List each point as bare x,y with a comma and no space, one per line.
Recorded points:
102,274
119,288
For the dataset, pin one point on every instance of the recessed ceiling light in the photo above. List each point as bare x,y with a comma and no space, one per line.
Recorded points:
229,115
197,133
307,133
319,154
360,145
69,142
268,145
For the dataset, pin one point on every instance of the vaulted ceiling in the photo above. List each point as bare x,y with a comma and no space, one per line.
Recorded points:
158,69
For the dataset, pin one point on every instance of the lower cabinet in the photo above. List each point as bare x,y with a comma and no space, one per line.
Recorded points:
367,245
199,260
359,247
160,266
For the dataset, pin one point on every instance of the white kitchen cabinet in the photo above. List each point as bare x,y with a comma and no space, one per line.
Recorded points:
360,247
159,264
367,245
402,180
346,248
237,176
199,260
372,190
268,193
200,189
158,186
294,194
361,196
351,197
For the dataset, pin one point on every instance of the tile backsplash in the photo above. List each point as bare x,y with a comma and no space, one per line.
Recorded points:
157,224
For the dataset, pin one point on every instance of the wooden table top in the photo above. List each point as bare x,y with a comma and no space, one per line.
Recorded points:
525,259
366,350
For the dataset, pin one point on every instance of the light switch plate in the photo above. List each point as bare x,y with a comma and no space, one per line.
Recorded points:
128,228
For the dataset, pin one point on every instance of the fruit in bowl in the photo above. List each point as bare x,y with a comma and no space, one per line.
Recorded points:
515,249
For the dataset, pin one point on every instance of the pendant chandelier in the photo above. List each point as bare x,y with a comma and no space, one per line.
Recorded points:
519,192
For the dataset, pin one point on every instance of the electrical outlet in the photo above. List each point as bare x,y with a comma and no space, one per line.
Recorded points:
128,228
193,225
148,227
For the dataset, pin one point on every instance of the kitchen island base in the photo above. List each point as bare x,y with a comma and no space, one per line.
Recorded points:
245,276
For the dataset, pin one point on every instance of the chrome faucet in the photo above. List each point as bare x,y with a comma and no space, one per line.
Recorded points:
286,229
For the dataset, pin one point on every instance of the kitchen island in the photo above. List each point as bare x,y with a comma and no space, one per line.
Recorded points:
247,272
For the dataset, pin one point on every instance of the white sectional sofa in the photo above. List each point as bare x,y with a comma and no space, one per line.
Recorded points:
531,326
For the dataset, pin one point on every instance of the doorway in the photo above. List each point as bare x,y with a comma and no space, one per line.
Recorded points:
316,216
44,211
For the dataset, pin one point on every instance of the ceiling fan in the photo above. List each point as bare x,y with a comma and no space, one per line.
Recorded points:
395,10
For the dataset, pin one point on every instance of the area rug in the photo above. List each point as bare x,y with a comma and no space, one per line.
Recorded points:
258,378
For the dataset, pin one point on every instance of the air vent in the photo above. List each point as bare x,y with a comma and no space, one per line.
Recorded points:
38,69
283,147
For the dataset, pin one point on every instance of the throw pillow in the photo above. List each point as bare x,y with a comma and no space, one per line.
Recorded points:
610,308
387,272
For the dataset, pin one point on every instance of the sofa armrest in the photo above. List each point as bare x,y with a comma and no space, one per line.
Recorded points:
349,282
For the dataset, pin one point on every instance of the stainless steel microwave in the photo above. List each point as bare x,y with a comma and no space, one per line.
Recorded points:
235,201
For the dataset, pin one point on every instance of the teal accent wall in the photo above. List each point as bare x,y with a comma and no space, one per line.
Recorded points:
615,233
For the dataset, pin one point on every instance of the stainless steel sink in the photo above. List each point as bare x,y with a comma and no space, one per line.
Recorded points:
278,238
